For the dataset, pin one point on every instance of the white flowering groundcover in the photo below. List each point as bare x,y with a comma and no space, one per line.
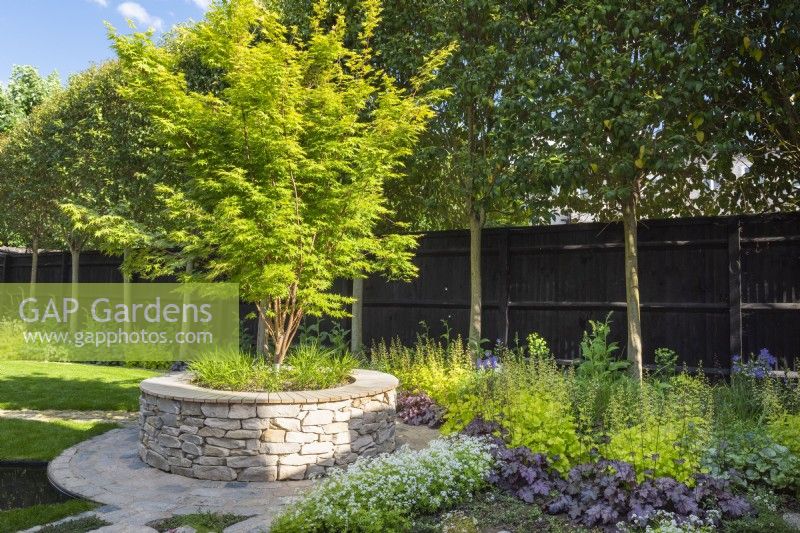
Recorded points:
383,493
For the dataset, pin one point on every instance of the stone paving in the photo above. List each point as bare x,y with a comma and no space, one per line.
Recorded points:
108,470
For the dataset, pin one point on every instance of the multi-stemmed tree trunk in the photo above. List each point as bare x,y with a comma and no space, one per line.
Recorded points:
281,319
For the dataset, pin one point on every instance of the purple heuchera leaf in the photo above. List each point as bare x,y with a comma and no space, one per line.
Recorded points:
601,493
419,410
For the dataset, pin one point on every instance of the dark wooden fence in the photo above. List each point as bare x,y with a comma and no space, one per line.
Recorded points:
710,287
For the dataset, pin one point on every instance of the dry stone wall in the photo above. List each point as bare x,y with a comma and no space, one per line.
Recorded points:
228,436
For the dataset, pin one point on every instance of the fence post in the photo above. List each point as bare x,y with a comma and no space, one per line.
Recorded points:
357,322
735,286
503,274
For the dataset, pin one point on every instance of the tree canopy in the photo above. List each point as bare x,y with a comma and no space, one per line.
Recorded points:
286,161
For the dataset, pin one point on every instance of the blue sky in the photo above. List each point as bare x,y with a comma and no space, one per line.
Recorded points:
68,35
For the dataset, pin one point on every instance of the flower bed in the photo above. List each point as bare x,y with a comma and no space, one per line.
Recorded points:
259,436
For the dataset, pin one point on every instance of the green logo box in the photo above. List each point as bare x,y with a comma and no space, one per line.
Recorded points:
117,321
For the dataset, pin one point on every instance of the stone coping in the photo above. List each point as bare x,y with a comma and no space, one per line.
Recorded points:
178,386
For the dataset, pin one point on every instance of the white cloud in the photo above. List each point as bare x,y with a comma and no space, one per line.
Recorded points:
202,4
101,3
135,12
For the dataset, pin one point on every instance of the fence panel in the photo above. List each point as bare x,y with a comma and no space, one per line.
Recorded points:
710,287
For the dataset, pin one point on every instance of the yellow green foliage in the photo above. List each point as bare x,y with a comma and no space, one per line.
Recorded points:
662,428
785,430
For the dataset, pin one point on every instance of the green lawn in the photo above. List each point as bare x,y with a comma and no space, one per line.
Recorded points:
39,385
42,441
19,519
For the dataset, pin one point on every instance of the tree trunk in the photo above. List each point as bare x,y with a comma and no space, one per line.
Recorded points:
632,286
476,221
281,322
356,329
75,256
127,297
34,259
261,335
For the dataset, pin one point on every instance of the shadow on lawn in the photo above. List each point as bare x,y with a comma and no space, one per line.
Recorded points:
41,391
39,440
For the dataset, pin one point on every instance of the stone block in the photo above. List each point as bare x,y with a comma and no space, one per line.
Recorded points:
216,451
225,443
297,436
193,449
168,406
171,431
289,424
239,410
194,439
278,411
211,432
255,423
247,461
210,461
315,471
341,416
336,427
341,438
297,459
361,443
319,417
273,435
214,473
291,472
334,406
183,471
243,434
191,409
280,448
317,448
188,430
259,473
168,441
223,423
193,421
156,460
215,410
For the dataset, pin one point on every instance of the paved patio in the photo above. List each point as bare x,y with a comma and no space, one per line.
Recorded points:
107,470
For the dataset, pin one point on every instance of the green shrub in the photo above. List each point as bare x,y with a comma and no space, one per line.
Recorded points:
668,430
785,429
756,461
535,420
430,366
598,360
307,367
537,346
667,449
382,494
529,398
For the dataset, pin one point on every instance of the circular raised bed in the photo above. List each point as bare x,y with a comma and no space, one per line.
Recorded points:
263,436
